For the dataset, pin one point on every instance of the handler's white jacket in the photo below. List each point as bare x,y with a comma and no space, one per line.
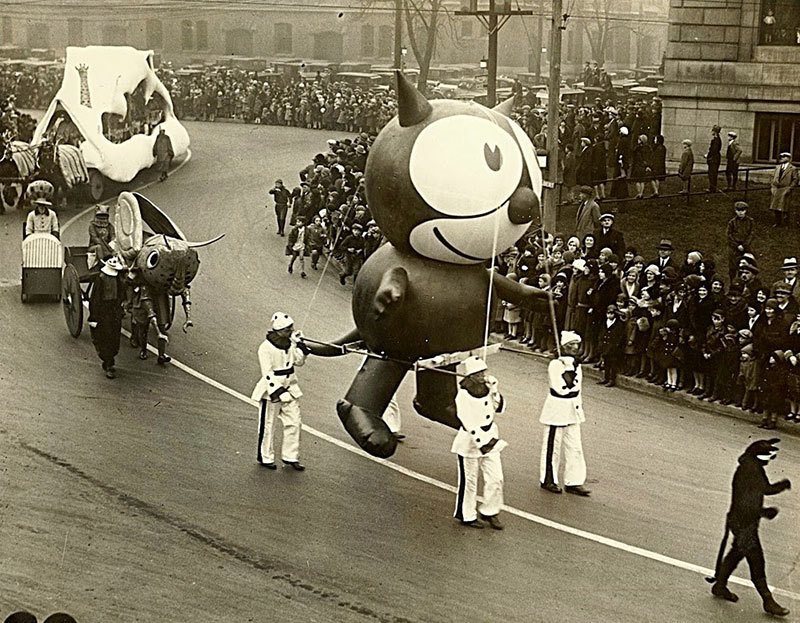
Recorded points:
277,372
477,421
563,405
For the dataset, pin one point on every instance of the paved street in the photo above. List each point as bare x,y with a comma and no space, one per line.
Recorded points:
139,499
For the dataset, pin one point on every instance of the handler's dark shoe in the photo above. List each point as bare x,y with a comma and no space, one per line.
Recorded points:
578,490
472,524
295,465
551,487
143,354
162,359
721,591
492,520
268,465
774,608
111,373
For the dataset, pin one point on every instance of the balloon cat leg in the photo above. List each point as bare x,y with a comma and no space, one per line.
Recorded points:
362,408
436,396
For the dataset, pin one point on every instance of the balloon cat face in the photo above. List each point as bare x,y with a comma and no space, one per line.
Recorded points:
445,177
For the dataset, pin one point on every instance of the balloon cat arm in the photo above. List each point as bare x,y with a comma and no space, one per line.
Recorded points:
334,348
391,292
517,293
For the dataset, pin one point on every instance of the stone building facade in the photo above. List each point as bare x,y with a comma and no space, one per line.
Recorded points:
322,30
723,67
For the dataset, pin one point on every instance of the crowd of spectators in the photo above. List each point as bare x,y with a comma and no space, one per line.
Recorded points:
728,336
319,103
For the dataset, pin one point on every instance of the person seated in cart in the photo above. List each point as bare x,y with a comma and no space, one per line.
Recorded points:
101,237
42,219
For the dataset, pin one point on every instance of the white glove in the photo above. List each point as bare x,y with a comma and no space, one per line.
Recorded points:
93,325
285,397
296,337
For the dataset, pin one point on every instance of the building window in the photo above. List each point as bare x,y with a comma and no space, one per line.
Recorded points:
575,45
367,40
385,41
779,24
187,35
467,28
239,42
775,133
201,34
155,34
74,31
283,38
619,45
115,35
8,34
38,35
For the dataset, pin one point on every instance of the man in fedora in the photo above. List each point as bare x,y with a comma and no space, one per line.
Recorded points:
587,219
686,166
739,234
784,178
664,258
106,312
789,268
733,154
713,158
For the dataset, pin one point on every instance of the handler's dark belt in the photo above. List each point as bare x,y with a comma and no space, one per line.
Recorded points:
284,372
574,394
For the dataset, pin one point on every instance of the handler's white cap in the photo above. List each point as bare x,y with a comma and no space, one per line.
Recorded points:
568,337
281,321
471,365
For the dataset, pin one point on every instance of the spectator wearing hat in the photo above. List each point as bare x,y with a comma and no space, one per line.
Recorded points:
784,179
478,445
658,162
42,219
606,236
583,167
733,154
787,304
793,376
789,268
562,415
106,312
101,235
611,345
748,275
587,218
772,388
749,378
686,166
353,248
278,391
21,616
569,175
664,258
297,244
714,158
641,165
739,234
667,354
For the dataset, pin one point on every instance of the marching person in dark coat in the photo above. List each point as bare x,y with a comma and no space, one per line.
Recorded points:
750,485
282,196
106,312
162,150
612,346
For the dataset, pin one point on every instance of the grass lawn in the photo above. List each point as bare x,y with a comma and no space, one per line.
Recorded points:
699,226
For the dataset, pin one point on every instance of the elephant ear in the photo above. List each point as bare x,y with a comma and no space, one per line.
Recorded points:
391,292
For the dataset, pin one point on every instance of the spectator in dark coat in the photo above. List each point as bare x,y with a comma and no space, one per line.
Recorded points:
607,236
658,162
612,345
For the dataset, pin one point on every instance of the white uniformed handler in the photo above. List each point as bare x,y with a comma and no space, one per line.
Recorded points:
278,391
478,445
562,414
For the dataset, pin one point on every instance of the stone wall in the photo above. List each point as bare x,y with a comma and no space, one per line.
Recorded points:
716,74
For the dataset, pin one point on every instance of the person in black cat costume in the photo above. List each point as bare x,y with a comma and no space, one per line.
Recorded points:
750,485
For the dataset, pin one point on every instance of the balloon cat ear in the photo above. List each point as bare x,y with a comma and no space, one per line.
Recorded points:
505,107
412,107
391,291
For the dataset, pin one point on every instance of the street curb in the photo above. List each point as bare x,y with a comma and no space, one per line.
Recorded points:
643,387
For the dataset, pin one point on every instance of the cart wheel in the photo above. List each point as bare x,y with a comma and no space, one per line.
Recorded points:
72,300
97,184
171,312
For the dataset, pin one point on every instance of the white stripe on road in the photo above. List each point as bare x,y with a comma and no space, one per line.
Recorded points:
590,536
583,534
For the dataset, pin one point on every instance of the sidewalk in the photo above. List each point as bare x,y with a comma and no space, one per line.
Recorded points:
643,387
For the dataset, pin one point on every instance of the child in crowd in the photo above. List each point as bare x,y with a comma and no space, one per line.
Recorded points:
512,315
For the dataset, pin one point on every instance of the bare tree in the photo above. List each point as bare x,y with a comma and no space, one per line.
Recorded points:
598,27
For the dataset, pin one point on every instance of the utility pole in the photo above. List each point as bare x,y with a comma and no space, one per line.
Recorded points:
493,20
536,54
553,102
398,34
